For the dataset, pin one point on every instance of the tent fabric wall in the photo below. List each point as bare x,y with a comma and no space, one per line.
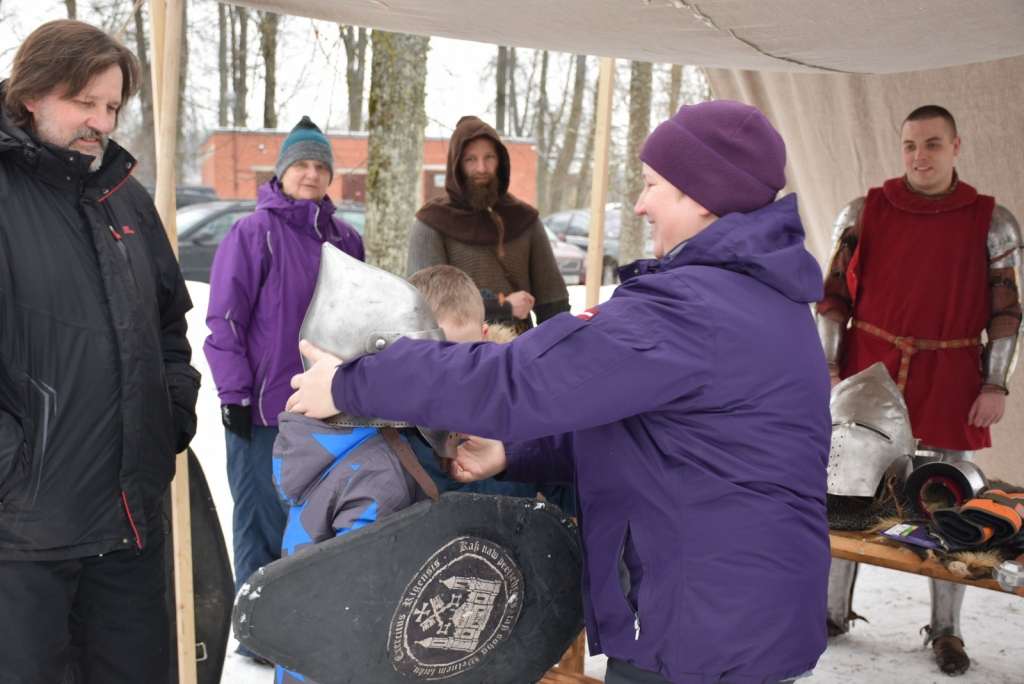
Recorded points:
842,137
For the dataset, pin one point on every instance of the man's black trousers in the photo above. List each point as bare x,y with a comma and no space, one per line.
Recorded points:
105,614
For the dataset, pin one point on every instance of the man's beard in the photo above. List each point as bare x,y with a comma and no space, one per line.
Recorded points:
482,195
47,132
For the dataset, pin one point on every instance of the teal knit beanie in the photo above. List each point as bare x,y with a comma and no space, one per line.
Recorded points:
306,141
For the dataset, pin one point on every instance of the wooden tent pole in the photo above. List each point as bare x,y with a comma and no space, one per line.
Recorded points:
599,187
166,31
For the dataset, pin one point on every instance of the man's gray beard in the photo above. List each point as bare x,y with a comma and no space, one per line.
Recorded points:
46,133
482,196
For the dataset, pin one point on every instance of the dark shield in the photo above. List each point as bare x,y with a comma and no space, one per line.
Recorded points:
467,589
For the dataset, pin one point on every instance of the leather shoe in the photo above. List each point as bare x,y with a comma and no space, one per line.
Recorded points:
951,656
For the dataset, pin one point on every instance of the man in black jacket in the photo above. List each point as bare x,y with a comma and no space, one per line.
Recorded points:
96,391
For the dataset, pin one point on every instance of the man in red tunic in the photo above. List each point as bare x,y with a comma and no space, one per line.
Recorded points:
921,267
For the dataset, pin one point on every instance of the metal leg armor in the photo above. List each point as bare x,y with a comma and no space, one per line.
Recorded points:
947,597
841,577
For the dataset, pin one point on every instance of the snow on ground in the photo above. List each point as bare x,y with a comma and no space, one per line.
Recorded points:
889,650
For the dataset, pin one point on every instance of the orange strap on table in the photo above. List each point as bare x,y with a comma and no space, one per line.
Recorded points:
909,346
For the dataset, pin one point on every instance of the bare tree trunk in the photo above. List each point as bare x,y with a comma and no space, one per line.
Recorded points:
145,146
543,172
631,237
559,180
268,46
675,89
397,119
584,180
240,69
181,150
502,82
355,73
515,126
72,6
222,64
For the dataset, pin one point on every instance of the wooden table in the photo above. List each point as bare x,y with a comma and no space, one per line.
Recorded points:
874,549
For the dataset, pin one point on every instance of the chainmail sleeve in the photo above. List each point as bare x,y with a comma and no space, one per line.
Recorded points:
548,283
426,249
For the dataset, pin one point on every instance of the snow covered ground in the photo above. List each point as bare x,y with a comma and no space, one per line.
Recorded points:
887,651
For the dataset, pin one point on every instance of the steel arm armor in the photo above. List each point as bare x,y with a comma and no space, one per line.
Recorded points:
1004,251
831,332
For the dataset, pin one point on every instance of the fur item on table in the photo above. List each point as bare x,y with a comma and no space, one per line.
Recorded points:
855,513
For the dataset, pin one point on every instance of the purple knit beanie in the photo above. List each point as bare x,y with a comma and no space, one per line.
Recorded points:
723,154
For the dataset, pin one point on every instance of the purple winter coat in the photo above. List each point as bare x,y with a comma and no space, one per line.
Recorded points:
691,412
261,283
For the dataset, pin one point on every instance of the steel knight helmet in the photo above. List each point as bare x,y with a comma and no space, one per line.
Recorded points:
870,430
358,309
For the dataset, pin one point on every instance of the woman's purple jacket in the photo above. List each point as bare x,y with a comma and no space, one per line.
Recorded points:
691,412
262,281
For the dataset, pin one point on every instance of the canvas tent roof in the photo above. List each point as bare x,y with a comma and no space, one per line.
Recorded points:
859,36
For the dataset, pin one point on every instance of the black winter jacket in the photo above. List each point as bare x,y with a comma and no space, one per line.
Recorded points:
96,391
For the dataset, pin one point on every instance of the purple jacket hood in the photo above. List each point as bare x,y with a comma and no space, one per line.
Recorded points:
261,283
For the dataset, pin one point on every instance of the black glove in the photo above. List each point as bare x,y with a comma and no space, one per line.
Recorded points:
238,419
183,387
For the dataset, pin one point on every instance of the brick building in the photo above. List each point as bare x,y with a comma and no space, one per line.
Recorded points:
236,162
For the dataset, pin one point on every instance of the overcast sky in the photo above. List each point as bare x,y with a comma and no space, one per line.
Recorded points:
311,69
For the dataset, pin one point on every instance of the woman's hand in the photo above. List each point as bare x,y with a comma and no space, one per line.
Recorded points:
478,458
313,396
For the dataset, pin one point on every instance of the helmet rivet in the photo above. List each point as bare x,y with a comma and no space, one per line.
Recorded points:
379,345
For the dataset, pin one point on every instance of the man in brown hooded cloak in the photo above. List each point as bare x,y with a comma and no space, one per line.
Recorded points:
483,230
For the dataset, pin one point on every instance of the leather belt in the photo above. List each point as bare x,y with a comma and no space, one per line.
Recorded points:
909,346
409,462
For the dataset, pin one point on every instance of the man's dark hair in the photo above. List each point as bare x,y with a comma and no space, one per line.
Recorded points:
65,54
933,112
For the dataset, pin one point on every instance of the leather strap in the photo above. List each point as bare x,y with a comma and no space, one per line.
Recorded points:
409,462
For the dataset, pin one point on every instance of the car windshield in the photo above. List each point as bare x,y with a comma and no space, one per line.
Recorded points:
353,217
194,214
551,236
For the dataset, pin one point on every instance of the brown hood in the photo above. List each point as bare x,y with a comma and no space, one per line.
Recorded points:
452,213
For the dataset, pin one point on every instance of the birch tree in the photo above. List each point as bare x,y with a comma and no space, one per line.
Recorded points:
631,235
397,119
355,73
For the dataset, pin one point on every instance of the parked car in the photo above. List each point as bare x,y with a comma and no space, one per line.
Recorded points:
201,227
574,227
187,195
572,261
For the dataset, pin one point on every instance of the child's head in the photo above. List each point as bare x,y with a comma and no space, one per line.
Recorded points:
455,301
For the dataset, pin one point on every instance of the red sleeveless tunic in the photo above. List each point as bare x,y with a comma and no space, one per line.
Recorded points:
921,270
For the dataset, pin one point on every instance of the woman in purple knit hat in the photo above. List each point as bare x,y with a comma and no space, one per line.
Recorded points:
690,411
261,283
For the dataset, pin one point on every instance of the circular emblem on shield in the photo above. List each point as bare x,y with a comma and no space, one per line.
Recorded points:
458,607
